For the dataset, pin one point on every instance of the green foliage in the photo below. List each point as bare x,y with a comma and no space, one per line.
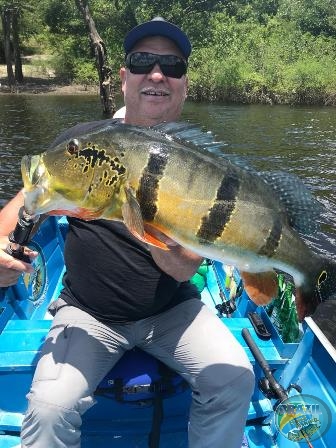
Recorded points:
243,50
62,17
85,72
256,10
313,16
70,52
270,63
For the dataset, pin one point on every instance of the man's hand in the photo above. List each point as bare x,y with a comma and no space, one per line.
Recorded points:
11,268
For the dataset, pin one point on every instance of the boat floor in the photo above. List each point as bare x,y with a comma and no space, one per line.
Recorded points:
120,425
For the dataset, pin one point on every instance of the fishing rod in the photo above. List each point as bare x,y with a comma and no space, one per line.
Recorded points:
227,306
269,386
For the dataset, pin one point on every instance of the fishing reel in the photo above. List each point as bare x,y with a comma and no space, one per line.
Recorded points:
227,307
21,235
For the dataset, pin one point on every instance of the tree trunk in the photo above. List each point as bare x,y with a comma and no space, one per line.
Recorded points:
16,47
106,82
6,16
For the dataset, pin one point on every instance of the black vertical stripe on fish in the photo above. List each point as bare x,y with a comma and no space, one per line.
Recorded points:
147,193
213,224
273,240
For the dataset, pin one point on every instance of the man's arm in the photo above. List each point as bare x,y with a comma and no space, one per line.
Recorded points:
10,268
9,214
178,262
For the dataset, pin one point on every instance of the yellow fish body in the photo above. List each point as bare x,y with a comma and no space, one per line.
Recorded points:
156,181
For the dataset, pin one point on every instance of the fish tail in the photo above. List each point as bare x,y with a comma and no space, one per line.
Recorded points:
319,286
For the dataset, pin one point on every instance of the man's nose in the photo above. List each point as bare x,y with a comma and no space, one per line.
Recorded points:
156,74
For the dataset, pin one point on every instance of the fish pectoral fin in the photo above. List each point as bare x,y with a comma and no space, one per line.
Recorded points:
261,287
150,239
133,220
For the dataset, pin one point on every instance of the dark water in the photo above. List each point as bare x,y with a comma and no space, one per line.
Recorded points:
301,140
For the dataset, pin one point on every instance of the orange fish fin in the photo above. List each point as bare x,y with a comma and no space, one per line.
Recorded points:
81,213
150,239
133,220
261,287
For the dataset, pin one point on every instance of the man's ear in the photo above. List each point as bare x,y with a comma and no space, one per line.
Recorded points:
122,74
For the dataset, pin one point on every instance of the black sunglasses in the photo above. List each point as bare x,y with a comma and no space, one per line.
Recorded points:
141,63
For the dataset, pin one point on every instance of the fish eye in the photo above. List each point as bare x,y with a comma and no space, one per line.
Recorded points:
73,146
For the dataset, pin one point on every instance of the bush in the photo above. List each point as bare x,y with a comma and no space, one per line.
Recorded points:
275,62
85,72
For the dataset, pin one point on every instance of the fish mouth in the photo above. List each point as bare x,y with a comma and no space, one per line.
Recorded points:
30,170
35,185
150,91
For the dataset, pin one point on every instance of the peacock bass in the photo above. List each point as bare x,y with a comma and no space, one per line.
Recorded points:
170,179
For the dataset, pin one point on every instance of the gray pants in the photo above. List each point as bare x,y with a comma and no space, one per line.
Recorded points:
80,351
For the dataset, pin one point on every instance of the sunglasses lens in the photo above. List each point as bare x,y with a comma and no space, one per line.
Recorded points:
141,63
174,71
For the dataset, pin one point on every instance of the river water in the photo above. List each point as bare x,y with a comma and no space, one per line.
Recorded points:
301,140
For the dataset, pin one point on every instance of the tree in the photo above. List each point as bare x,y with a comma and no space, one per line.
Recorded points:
16,45
6,17
11,12
106,82
312,16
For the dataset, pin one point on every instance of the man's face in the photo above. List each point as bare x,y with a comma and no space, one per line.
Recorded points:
153,98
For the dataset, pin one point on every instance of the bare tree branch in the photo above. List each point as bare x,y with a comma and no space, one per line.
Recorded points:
106,82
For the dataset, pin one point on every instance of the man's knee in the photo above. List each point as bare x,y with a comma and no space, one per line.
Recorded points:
49,413
244,385
48,419
222,381
46,422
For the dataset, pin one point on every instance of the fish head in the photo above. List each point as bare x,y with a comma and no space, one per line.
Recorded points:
76,178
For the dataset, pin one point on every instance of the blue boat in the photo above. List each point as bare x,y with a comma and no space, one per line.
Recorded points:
141,403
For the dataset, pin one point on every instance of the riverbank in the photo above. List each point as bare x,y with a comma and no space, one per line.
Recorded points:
47,86
53,86
262,95
40,78
50,85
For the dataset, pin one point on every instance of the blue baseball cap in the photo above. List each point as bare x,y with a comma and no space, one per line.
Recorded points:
158,27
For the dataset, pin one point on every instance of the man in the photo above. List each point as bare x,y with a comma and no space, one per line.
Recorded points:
119,293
